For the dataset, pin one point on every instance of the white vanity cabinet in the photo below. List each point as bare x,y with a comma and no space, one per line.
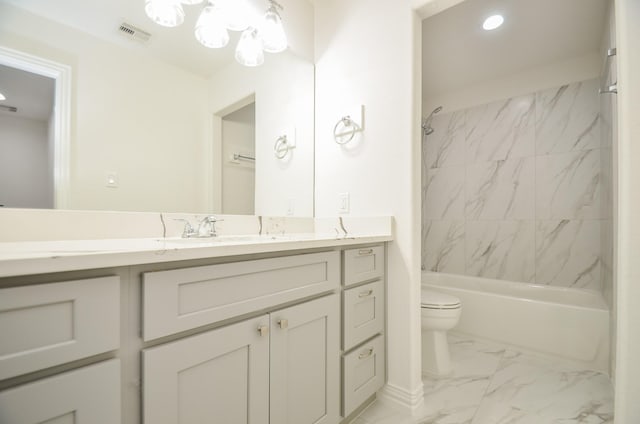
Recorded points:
278,368
281,367
289,338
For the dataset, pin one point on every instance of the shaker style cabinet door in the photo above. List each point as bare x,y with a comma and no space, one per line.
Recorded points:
305,366
221,376
89,395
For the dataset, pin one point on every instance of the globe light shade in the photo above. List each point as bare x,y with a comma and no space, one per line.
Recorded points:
237,14
211,27
249,51
167,13
272,32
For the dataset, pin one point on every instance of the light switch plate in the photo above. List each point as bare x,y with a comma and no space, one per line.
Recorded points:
343,203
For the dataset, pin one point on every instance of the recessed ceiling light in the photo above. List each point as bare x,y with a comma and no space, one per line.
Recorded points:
2,97
492,22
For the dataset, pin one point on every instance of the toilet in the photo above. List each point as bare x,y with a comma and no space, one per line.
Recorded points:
440,312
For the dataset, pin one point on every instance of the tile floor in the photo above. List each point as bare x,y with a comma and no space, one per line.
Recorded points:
492,384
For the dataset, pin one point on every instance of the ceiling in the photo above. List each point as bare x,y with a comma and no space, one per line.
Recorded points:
178,46
32,94
457,52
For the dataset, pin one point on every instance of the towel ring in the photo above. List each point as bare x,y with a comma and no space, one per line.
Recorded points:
282,147
346,121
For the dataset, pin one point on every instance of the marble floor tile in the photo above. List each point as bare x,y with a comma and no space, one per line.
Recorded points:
492,384
525,389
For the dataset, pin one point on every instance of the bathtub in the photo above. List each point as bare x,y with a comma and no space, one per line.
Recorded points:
561,322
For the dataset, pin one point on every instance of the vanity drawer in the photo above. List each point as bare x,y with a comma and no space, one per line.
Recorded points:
363,374
51,324
182,299
363,264
88,395
363,313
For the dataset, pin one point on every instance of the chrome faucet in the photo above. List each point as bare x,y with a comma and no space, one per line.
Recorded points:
206,227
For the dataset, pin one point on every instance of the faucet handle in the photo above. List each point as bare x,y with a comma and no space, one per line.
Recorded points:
188,230
209,221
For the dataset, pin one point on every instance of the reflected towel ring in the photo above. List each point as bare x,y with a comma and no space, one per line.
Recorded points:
282,147
346,122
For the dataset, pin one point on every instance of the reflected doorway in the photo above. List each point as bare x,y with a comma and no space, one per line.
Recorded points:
27,139
239,161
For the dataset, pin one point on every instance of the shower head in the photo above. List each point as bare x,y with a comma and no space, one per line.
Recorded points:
426,122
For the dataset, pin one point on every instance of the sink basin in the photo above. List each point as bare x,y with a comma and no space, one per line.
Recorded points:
247,238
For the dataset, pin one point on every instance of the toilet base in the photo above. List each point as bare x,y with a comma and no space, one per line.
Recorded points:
436,361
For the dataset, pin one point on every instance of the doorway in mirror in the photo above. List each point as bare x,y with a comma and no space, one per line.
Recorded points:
239,157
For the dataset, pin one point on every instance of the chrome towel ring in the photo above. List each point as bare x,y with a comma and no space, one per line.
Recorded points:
345,137
281,147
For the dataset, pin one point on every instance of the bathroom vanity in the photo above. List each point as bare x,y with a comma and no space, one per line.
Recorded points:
241,331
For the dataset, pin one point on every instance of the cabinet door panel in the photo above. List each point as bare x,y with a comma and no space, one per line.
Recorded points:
89,395
305,368
219,376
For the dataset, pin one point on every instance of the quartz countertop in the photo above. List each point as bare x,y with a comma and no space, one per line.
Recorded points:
37,257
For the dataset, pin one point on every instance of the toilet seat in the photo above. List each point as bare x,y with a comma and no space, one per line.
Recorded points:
436,300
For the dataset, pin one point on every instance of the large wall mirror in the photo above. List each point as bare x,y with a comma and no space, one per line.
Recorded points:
164,124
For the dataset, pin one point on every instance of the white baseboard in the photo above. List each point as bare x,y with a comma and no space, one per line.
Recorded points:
402,399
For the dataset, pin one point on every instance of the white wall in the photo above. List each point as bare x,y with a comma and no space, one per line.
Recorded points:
367,55
283,91
238,176
24,178
627,215
131,114
539,78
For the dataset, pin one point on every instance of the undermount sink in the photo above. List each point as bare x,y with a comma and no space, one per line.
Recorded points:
247,238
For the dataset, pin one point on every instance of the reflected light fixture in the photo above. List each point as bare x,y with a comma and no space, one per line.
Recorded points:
218,17
492,22
2,97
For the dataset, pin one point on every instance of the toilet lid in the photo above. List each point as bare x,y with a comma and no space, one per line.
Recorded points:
436,300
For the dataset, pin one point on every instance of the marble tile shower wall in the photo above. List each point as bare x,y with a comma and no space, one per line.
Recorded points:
513,189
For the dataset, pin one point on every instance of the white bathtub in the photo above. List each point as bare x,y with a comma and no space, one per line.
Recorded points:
564,322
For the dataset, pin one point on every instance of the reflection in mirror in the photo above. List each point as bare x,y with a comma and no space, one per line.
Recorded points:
146,119
26,139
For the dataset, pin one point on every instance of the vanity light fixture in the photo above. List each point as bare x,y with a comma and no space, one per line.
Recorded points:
218,17
493,22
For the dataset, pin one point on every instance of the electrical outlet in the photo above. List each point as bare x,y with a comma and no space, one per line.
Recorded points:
343,203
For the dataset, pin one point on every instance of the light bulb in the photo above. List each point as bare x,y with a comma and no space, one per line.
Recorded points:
492,22
249,50
272,33
211,28
167,13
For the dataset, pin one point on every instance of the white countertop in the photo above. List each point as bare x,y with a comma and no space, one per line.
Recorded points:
37,257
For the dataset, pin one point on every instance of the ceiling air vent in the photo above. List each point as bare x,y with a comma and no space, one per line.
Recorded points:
9,108
134,33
